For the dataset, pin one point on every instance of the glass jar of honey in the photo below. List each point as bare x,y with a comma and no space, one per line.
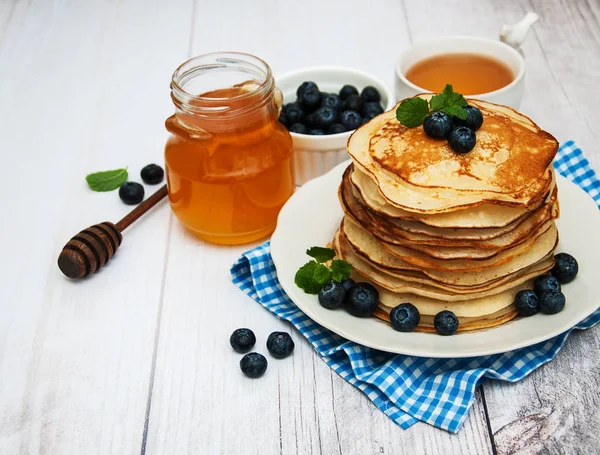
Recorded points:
229,161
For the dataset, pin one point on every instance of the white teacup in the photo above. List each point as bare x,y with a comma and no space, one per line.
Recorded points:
509,95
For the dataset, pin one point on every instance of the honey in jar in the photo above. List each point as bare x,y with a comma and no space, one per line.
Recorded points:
229,161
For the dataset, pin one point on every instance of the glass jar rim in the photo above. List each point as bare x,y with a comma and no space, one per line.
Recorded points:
202,104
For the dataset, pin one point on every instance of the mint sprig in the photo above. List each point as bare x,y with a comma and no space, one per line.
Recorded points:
413,111
313,275
107,180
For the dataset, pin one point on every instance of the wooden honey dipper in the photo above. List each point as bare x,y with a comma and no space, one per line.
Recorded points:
89,250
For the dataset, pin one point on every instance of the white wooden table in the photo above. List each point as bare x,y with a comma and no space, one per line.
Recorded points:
136,359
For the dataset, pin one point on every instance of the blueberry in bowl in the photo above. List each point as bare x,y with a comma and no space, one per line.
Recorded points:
371,109
325,117
370,93
306,85
353,103
351,120
336,128
333,101
347,90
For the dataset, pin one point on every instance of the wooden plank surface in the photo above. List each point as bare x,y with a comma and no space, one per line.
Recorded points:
136,358
82,89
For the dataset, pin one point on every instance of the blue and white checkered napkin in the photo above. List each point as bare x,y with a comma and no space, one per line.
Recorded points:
408,389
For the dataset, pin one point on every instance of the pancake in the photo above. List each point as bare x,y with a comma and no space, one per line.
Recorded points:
363,240
397,284
365,245
439,248
420,174
482,216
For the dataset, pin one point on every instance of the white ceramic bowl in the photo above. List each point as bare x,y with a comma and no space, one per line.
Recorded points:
509,95
315,155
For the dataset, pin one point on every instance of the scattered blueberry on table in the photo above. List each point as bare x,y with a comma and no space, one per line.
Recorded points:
242,340
253,365
131,193
280,345
152,174
319,113
405,317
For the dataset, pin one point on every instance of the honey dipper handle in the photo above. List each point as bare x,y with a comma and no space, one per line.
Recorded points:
141,209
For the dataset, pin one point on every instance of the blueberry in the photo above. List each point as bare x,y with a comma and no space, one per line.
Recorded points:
283,119
546,283
310,120
347,90
131,193
351,120
474,118
405,317
152,174
253,365
336,128
446,323
527,302
298,128
316,132
438,125
566,268
307,85
362,299
280,345
370,93
371,109
332,295
325,117
310,98
364,120
242,340
333,101
348,284
295,113
552,302
462,139
353,103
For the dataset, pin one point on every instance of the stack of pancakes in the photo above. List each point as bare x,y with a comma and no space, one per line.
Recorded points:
449,231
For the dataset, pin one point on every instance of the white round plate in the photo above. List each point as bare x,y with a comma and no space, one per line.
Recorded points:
312,215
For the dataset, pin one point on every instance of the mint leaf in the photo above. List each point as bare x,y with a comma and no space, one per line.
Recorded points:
322,275
456,111
340,270
321,254
304,278
107,180
436,102
412,112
